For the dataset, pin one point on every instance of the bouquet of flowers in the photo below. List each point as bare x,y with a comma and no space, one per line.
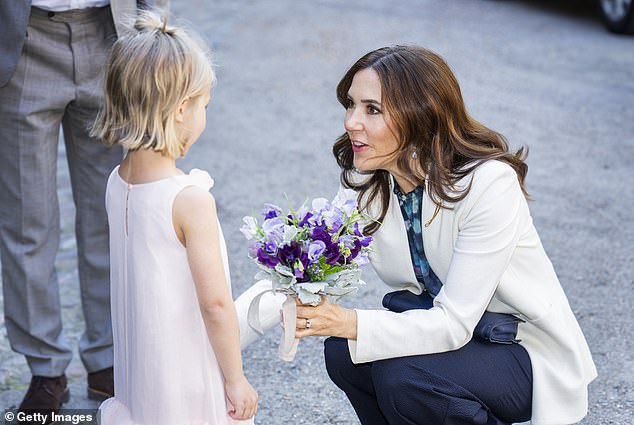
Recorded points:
307,253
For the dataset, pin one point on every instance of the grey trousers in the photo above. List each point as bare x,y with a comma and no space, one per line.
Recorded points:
57,82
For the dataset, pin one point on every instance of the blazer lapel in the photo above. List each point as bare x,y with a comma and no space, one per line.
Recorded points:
393,260
438,249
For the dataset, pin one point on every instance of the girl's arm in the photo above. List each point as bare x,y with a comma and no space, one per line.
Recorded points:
196,224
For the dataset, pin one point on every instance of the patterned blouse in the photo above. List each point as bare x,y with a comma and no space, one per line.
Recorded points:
411,207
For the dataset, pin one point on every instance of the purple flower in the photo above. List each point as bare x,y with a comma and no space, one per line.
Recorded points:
298,271
332,254
356,230
333,218
273,230
266,258
315,249
270,214
354,251
320,233
270,247
293,256
271,211
304,221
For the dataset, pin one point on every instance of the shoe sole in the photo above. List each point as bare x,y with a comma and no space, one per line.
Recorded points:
97,395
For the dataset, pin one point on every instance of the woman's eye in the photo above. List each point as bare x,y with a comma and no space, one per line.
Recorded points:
349,104
372,110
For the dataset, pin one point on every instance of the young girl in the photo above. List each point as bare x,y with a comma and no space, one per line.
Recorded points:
176,336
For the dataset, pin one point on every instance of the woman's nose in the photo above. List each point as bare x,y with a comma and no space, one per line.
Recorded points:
352,121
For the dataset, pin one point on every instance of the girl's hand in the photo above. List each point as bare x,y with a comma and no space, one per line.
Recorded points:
326,319
243,399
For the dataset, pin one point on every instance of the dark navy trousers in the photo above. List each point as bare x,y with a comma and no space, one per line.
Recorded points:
480,383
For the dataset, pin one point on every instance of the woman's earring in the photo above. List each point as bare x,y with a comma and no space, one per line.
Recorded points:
414,154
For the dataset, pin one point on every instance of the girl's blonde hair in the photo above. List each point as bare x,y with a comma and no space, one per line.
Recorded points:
151,69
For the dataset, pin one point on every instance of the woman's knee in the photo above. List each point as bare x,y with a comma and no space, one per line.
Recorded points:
337,359
405,392
390,377
409,390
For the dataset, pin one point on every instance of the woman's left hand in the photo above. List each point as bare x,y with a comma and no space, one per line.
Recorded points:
326,319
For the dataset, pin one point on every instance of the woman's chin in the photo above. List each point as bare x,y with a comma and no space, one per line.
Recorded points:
363,167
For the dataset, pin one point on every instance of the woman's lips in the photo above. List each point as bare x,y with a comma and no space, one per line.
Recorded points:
358,146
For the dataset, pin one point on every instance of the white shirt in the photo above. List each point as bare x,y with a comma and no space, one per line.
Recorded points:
64,5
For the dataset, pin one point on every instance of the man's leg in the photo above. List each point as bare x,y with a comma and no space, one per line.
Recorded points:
31,108
90,163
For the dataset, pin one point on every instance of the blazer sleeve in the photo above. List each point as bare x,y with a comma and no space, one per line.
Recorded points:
489,224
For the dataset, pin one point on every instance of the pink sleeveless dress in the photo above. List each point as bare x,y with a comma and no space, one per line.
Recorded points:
165,371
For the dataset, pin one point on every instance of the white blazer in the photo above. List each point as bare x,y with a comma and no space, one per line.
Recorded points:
488,255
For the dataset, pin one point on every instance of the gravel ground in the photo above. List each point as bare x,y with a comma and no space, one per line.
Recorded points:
543,73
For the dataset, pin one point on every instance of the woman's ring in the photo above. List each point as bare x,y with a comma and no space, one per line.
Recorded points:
307,323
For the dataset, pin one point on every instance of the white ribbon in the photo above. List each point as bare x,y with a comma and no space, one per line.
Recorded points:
288,343
253,314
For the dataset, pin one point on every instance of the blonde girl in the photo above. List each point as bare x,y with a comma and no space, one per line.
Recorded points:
176,337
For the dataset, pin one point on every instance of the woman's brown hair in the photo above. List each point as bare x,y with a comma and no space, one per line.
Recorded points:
423,99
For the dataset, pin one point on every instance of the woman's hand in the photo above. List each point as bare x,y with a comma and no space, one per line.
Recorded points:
325,319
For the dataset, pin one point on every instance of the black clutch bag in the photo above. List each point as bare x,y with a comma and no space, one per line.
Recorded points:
494,327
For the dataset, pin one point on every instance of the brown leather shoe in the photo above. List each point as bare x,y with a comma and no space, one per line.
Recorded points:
101,384
44,396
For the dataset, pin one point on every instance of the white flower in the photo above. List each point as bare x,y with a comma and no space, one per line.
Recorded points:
319,204
289,234
346,200
250,227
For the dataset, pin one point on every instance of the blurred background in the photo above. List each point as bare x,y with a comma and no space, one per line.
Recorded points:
547,74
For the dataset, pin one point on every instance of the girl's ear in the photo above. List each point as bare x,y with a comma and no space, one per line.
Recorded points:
180,112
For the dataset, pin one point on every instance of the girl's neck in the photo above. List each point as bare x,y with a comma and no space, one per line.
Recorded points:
145,166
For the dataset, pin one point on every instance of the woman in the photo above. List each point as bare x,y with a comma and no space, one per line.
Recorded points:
452,221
